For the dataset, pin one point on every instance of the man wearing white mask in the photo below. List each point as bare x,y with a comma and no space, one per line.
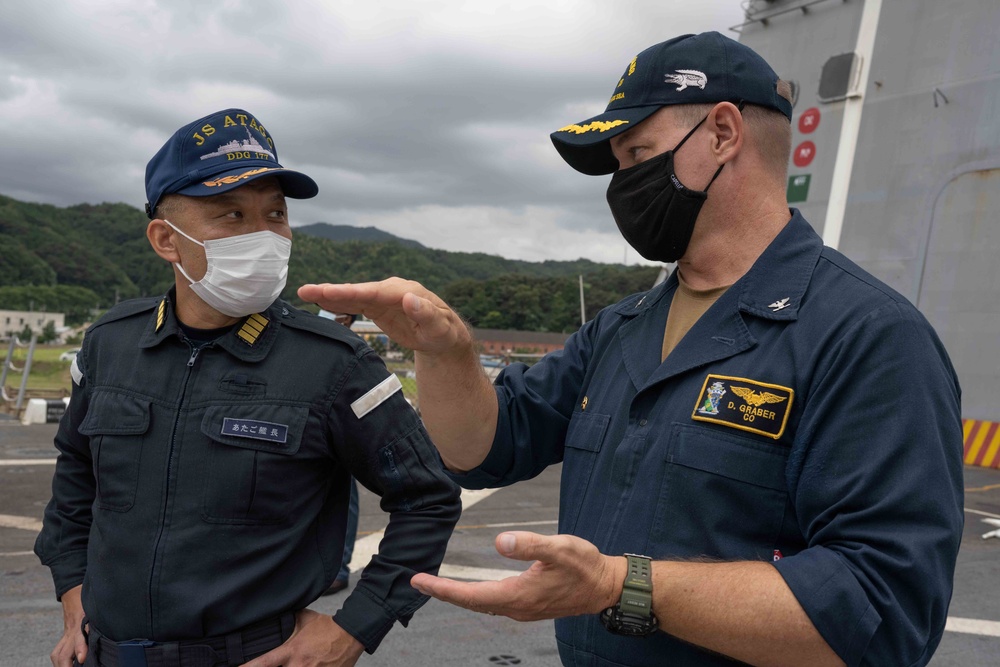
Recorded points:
200,499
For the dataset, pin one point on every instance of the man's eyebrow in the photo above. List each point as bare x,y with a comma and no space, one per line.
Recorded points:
221,199
226,198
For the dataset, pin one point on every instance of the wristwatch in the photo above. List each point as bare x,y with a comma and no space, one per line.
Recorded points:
633,615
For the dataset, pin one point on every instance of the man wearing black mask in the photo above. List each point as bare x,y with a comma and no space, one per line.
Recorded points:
775,429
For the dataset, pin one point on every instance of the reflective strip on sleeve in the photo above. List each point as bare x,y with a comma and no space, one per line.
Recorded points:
377,396
74,370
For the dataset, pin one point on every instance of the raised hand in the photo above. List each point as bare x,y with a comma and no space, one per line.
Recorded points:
410,314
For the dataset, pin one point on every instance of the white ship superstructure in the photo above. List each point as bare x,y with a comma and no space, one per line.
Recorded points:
250,144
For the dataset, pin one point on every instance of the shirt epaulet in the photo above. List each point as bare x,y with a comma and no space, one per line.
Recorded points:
305,321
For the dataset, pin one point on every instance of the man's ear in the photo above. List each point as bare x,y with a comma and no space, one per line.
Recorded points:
728,130
161,237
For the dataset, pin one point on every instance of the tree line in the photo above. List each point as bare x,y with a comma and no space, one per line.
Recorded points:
82,259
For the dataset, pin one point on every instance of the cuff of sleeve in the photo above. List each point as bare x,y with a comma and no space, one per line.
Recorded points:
833,599
365,618
68,571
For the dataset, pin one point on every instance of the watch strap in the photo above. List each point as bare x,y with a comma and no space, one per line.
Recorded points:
633,614
637,591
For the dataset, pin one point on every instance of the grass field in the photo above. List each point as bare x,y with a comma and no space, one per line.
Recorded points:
409,388
48,374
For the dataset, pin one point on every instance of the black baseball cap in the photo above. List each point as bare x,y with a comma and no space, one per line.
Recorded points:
690,69
219,152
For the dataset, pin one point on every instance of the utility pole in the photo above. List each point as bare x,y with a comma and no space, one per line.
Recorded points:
583,310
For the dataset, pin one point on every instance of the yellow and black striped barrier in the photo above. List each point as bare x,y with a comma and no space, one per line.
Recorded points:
982,443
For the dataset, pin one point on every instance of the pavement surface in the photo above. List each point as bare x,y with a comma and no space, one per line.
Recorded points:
31,619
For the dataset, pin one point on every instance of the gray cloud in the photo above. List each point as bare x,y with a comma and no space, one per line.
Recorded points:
411,116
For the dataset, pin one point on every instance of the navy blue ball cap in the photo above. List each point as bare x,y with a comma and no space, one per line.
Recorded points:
690,69
217,153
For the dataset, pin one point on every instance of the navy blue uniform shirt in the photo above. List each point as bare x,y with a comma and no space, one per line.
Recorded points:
810,418
200,490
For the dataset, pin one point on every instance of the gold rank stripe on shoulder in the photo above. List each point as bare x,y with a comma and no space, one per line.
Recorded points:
161,314
252,328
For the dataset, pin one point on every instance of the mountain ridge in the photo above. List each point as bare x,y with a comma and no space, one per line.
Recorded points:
326,230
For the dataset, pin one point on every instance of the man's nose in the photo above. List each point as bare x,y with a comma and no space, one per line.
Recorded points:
258,222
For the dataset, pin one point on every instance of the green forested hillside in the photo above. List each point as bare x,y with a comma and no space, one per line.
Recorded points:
325,230
86,257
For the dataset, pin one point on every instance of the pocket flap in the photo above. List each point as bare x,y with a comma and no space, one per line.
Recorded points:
115,414
261,427
586,431
732,456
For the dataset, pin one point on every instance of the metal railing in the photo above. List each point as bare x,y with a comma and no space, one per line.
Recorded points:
765,19
8,365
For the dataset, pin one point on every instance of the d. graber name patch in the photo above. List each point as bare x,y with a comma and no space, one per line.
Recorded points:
745,404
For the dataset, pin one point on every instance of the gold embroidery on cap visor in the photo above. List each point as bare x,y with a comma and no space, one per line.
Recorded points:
744,404
596,126
229,180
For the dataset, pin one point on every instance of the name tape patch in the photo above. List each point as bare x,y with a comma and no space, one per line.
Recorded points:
376,396
745,404
252,428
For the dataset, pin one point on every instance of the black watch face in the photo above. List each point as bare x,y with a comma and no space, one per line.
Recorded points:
621,624
636,630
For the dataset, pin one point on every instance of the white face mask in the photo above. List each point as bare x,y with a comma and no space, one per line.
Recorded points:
245,273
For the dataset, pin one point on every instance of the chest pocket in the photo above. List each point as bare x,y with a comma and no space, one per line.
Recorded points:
117,427
722,496
584,439
253,474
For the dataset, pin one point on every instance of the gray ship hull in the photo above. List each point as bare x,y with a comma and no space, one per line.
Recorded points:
896,160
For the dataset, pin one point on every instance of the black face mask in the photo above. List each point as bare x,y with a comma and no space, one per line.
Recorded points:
654,211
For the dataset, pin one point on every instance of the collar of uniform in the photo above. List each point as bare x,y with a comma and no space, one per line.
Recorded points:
252,337
774,286
262,334
162,323
640,303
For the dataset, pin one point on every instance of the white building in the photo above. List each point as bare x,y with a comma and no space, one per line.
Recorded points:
14,321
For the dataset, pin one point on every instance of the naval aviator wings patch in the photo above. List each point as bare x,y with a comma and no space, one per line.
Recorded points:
748,405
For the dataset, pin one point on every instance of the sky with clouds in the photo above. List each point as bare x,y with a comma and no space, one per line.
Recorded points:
429,119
